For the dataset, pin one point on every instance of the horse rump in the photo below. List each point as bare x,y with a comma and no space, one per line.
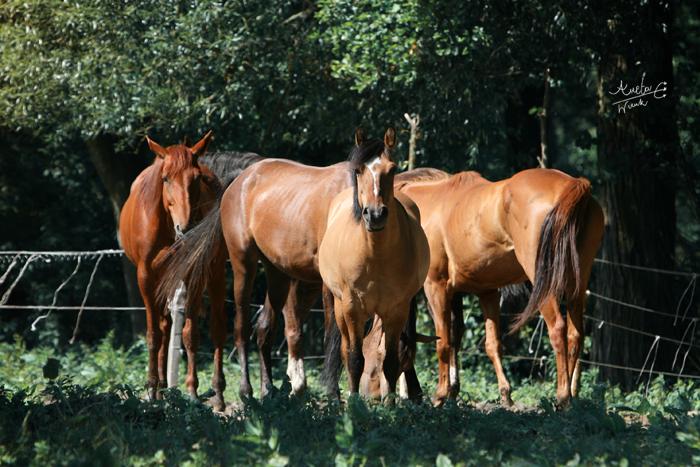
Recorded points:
557,269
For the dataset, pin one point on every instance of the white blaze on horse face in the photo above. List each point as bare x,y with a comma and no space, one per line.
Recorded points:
295,371
372,166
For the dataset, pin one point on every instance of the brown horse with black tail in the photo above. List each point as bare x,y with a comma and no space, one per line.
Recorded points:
540,225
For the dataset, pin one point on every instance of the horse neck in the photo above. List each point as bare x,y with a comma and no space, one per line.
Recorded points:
152,194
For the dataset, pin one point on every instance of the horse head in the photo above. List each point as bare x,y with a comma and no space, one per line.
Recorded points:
180,175
373,179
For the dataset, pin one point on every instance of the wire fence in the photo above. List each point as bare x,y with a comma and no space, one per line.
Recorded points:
11,260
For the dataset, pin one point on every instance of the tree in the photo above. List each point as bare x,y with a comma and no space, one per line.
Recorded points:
638,159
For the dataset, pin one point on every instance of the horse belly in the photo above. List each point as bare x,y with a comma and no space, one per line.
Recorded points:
489,271
295,258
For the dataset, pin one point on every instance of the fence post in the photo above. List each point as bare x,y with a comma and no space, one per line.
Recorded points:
176,306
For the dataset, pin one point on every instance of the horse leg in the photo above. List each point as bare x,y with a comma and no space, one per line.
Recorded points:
278,289
331,346
266,325
165,323
392,327
244,267
457,331
556,327
303,295
588,247
491,310
352,331
190,338
575,338
439,300
147,288
218,330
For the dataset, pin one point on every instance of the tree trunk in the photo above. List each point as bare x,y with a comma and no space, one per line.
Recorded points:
637,158
116,172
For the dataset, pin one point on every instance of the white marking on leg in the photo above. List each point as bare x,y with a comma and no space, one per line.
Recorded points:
295,371
453,374
403,386
375,176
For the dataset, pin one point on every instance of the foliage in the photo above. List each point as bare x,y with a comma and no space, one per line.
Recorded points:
92,414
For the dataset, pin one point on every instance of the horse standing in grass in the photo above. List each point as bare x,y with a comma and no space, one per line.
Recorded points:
373,258
166,199
540,225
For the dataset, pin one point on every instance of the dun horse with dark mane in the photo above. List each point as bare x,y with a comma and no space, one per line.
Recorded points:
374,257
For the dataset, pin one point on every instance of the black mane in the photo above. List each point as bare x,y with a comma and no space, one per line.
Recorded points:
359,156
227,165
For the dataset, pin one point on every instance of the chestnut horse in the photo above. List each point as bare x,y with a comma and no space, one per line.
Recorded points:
165,200
275,211
540,225
373,258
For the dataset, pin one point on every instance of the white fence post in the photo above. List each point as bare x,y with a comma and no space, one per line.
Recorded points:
176,306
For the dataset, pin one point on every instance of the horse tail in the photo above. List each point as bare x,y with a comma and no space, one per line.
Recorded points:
331,342
557,271
189,260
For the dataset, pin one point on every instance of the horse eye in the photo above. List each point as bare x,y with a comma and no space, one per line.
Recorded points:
165,180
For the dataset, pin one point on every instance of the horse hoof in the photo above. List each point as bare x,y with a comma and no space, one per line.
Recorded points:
562,403
298,391
390,400
151,394
439,401
245,392
267,390
217,403
506,400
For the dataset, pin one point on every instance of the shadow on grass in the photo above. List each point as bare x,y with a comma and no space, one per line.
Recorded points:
77,425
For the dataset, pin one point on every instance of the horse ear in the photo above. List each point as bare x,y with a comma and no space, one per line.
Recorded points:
390,138
359,136
201,146
157,149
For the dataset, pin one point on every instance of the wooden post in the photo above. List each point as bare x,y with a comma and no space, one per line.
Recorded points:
542,159
176,305
413,123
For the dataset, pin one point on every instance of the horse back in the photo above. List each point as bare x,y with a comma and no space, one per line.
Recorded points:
281,207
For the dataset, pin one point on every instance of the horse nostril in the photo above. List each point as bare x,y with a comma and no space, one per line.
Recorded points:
383,212
365,211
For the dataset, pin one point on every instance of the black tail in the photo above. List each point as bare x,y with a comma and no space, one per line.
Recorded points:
557,270
331,342
190,258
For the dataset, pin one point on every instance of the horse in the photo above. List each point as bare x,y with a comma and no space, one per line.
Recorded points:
540,225
373,257
274,211
165,200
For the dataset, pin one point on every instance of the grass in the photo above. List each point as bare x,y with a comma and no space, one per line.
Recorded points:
93,414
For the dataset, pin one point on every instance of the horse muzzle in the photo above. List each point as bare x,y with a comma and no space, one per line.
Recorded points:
375,218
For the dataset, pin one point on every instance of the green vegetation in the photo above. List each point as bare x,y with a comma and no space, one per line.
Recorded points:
93,414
